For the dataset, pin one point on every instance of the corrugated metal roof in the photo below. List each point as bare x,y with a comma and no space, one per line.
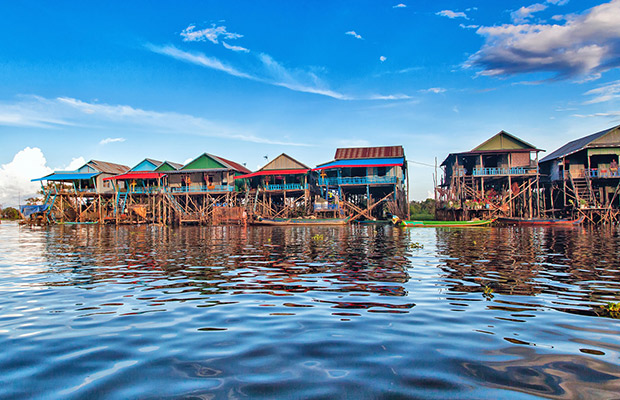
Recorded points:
369,152
108,167
174,164
136,175
67,176
576,145
369,162
231,164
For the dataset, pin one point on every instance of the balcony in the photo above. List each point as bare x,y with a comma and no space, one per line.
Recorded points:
358,180
602,173
503,171
202,189
288,186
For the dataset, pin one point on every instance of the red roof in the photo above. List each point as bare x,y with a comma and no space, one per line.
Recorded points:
234,165
274,172
136,175
369,152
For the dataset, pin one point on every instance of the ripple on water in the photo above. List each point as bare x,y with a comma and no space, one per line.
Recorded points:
156,312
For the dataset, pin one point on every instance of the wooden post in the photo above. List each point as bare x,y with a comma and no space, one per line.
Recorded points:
509,185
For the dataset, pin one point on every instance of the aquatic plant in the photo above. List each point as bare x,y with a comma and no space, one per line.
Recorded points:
487,292
611,310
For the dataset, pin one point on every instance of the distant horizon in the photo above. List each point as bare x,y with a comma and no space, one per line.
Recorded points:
122,82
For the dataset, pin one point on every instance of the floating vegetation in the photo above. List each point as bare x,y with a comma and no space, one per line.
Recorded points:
416,245
611,310
488,292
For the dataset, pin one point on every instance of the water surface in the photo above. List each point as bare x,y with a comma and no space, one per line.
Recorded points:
360,312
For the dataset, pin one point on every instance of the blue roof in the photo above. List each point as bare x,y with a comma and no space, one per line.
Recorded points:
67,176
366,162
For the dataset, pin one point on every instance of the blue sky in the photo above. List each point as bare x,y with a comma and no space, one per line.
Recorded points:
121,81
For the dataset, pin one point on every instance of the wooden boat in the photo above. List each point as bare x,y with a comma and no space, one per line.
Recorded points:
541,221
443,224
300,221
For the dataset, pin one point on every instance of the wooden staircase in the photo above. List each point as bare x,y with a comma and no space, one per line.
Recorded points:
583,191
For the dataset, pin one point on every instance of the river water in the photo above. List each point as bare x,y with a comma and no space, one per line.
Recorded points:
359,312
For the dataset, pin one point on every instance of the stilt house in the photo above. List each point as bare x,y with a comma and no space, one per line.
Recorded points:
583,174
80,195
280,188
365,182
497,178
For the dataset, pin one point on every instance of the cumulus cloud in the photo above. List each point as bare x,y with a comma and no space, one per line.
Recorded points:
469,26
604,93
382,58
584,46
525,13
401,5
451,14
112,140
212,34
15,176
354,34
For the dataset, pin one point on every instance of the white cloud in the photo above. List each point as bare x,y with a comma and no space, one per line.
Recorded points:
586,45
451,14
355,35
604,93
112,140
401,5
198,59
96,115
558,2
235,48
211,34
469,26
75,163
611,114
382,58
525,13
15,176
435,90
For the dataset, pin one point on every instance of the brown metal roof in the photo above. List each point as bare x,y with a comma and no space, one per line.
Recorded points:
369,152
108,167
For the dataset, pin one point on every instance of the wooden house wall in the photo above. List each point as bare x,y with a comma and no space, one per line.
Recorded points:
612,139
520,159
283,162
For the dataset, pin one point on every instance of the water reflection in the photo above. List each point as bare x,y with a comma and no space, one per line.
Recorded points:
195,263
305,312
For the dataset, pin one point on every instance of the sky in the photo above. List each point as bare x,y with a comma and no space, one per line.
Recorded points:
245,80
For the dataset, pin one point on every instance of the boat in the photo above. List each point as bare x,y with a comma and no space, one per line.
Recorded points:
441,224
541,221
300,221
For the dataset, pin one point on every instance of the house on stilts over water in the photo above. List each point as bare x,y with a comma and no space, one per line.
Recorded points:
205,191
279,189
497,178
140,191
83,195
364,183
582,178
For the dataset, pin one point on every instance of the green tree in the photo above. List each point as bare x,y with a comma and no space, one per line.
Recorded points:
11,213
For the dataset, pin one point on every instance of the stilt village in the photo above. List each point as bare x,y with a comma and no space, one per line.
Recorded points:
501,177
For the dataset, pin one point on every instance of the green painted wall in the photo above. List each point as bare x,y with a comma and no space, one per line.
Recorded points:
203,162
164,167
